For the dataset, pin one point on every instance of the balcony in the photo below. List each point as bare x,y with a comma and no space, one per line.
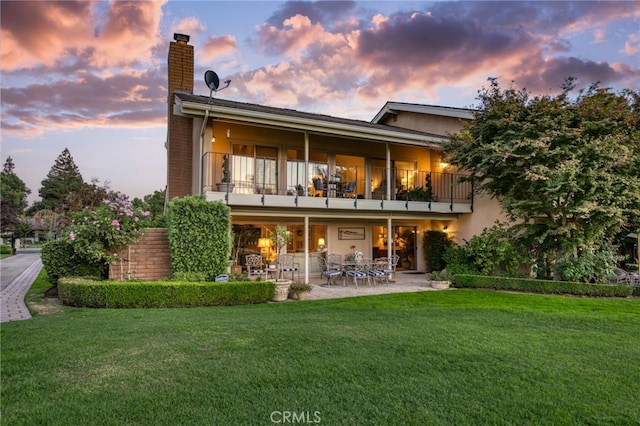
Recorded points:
259,182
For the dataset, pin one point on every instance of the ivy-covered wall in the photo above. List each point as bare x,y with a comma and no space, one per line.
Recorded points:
199,236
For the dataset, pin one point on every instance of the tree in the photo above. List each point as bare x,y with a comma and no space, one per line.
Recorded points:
63,180
13,196
154,203
566,171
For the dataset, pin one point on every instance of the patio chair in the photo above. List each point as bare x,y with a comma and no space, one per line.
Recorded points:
359,271
328,272
350,189
391,266
376,274
255,266
619,276
334,261
318,185
287,264
222,278
381,266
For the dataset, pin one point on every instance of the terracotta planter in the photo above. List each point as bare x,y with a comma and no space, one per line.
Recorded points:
302,295
282,290
440,285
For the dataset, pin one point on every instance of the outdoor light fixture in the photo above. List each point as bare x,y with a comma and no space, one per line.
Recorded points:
445,229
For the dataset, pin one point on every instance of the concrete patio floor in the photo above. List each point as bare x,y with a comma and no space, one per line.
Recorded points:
402,283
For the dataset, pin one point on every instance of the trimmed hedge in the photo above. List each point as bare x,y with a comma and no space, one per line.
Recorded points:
161,294
544,286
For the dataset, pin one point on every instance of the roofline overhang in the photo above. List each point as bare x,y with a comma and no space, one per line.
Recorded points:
196,109
392,108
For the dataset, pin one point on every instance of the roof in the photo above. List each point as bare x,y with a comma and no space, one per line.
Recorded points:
195,105
392,108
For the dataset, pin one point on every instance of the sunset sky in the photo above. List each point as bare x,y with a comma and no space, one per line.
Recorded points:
91,76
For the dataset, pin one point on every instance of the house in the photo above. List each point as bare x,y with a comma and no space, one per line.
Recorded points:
338,185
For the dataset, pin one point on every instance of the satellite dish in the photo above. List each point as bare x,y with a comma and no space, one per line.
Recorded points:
212,80
213,83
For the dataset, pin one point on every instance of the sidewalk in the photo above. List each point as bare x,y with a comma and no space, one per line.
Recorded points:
18,273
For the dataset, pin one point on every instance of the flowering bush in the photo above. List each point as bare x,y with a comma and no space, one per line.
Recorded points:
98,235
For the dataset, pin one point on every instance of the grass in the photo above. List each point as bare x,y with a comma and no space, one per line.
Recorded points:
438,358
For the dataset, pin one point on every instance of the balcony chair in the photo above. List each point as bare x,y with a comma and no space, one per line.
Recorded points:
287,264
328,272
350,190
318,185
255,266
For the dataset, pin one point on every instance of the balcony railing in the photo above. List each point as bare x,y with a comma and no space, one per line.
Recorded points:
251,175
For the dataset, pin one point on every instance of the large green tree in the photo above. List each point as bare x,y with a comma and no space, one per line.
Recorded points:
13,196
565,169
62,181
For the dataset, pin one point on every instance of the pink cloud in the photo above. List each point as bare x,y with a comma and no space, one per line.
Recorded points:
217,46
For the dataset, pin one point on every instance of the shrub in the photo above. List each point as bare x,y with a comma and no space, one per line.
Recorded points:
189,276
59,259
99,234
542,286
300,288
200,236
5,249
158,294
443,275
589,266
434,244
458,261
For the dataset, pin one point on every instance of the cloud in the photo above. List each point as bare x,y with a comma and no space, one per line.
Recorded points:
215,47
412,54
632,45
124,99
92,63
321,12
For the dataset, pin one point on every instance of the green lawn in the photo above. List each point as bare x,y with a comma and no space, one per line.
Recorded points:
435,358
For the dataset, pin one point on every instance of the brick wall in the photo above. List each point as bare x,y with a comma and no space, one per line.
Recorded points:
149,259
179,129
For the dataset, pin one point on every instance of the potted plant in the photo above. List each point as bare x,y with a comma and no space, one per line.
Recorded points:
300,290
280,239
225,185
440,279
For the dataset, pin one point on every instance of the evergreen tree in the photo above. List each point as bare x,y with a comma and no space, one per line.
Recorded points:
63,180
13,196
567,171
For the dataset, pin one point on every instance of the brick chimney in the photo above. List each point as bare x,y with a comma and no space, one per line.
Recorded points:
179,129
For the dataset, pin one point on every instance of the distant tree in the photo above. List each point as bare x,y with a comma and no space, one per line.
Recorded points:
567,172
154,204
64,179
13,196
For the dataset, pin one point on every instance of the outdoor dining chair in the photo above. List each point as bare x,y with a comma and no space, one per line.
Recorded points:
359,271
318,185
288,264
255,266
350,189
329,272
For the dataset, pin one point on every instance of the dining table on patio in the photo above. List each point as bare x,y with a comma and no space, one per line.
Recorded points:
335,188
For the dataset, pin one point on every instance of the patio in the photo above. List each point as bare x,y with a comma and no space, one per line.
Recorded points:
403,283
